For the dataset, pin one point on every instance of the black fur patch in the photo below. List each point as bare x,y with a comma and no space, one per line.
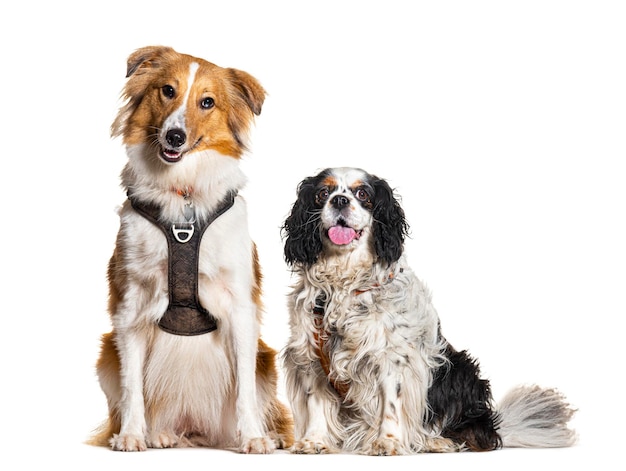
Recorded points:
461,404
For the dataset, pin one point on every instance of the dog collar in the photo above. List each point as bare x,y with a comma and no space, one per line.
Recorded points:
184,314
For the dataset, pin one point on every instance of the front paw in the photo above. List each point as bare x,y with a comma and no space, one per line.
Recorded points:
308,446
163,440
128,442
260,445
387,446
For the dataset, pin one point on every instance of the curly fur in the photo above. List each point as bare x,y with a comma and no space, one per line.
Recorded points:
367,368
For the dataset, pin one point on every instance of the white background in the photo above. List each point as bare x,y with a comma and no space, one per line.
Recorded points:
501,125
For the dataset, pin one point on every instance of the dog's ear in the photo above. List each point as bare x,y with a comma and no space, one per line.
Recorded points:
247,96
145,58
138,67
302,228
249,89
390,226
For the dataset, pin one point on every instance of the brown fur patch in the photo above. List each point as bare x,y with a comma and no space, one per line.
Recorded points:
237,96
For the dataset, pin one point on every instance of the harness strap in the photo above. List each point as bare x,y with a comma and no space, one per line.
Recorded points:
321,336
184,314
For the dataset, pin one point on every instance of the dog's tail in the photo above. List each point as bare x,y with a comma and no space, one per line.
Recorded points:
101,436
531,416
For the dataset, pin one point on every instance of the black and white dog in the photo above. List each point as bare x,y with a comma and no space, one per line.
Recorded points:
367,369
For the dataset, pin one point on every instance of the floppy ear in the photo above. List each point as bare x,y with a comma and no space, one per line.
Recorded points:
145,57
390,226
302,228
246,96
138,67
249,89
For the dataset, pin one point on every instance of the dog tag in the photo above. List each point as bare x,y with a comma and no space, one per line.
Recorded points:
189,212
183,234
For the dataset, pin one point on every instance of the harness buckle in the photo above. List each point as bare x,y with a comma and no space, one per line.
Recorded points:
183,232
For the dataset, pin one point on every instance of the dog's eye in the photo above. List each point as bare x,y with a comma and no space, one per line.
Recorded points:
361,194
322,195
207,103
168,91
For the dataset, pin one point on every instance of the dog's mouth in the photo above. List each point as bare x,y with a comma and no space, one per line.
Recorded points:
343,235
171,156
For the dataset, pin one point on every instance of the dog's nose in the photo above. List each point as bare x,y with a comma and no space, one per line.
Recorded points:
175,137
340,201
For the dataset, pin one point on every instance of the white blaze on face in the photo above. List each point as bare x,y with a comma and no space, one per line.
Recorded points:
177,119
345,223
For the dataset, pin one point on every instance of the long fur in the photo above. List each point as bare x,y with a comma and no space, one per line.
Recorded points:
367,368
184,124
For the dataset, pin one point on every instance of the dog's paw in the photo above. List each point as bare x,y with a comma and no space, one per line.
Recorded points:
280,441
163,440
387,446
128,442
260,445
310,447
441,445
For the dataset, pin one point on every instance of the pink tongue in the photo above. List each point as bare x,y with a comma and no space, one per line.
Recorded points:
341,235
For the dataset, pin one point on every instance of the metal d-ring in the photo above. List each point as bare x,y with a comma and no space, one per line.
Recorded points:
183,234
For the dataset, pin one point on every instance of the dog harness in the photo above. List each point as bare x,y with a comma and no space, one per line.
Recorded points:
184,315
321,336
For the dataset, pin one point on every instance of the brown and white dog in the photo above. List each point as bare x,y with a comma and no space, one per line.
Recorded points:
367,367
213,382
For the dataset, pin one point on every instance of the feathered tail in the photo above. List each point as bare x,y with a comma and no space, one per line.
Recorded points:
531,416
